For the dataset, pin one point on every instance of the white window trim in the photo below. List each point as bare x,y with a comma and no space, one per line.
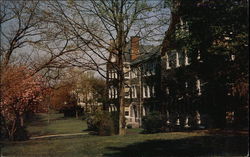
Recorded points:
186,57
167,62
198,86
144,91
167,90
109,93
148,90
177,60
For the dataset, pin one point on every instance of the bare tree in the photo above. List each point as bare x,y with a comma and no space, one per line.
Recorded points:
91,24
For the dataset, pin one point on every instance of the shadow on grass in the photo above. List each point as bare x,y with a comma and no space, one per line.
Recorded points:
193,146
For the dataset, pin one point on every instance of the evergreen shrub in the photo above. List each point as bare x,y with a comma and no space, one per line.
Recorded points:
153,123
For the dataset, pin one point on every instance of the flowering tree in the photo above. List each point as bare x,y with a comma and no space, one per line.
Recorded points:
22,92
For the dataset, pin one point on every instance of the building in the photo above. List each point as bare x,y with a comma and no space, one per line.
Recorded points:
142,92
165,80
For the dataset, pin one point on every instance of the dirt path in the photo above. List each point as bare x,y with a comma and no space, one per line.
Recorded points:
57,135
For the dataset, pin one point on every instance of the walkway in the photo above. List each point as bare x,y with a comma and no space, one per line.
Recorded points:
57,135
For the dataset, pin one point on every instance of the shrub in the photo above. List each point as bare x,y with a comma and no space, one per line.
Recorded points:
101,122
153,123
129,126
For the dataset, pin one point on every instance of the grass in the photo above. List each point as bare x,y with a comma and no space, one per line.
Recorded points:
57,124
131,145
136,145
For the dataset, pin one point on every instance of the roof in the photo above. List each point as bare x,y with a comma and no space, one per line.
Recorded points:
147,52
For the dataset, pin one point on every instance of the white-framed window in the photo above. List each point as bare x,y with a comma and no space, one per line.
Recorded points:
110,93
198,86
115,74
145,92
186,84
167,62
112,74
186,57
148,90
167,90
133,90
115,93
134,73
177,59
126,71
181,24
232,57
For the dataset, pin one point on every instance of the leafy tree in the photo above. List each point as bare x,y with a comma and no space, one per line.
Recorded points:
22,93
218,33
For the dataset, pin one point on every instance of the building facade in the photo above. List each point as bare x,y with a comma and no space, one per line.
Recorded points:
142,92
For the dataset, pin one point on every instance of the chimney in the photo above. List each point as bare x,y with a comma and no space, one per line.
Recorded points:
134,47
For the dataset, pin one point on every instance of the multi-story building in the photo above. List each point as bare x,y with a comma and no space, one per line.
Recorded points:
141,70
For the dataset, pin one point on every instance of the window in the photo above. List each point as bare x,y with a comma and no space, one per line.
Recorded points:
198,86
110,94
113,58
148,90
167,62
126,70
115,92
177,60
115,74
167,90
133,90
145,92
134,73
126,113
186,57
232,57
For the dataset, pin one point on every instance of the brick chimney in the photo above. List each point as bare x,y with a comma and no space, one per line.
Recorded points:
135,47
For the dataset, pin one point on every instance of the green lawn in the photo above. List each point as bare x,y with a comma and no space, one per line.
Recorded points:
57,124
134,145
131,145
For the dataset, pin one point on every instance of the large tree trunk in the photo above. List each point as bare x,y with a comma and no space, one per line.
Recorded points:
122,122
